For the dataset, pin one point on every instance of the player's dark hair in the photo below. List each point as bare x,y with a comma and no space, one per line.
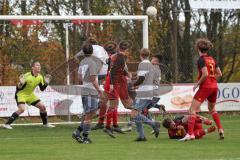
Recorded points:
33,63
111,47
159,57
144,53
87,49
92,41
125,44
203,45
166,123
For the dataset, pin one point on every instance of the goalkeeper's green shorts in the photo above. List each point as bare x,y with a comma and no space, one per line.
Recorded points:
29,99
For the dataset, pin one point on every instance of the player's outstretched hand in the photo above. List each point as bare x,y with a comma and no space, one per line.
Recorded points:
48,78
22,79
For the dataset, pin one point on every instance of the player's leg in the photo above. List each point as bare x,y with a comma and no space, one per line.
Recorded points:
109,117
102,112
77,133
21,100
191,120
125,98
116,127
113,103
215,116
199,132
139,104
90,105
211,107
198,99
43,113
14,116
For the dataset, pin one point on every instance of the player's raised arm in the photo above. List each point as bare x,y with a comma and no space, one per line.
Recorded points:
22,81
44,82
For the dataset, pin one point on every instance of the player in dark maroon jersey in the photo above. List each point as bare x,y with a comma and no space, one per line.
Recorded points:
118,77
110,113
207,82
177,127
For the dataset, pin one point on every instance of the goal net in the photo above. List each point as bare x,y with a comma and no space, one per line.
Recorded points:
54,41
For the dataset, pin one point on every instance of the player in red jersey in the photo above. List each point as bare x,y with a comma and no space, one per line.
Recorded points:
177,127
116,86
208,73
118,77
111,114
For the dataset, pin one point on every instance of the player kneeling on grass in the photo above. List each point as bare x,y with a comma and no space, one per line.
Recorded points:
88,72
25,94
177,127
144,86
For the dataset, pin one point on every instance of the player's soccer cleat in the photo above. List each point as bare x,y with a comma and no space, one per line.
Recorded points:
221,134
77,137
118,130
7,126
139,139
187,138
211,129
109,132
48,125
127,129
156,129
86,141
98,126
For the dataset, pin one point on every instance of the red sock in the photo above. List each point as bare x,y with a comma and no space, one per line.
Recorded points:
102,113
115,117
191,123
109,118
216,118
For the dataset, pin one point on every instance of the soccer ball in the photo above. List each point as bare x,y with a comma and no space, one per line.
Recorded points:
151,11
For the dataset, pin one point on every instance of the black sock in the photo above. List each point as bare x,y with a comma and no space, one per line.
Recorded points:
44,117
13,117
80,129
85,135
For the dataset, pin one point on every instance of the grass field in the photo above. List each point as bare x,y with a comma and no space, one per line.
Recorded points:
38,143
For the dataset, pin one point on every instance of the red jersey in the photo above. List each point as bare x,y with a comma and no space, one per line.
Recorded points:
175,133
117,69
210,63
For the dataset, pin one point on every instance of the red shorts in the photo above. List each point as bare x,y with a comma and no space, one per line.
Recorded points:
120,89
206,93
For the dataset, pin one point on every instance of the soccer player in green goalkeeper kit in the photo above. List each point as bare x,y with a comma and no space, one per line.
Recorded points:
25,94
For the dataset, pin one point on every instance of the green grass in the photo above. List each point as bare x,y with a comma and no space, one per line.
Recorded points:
38,143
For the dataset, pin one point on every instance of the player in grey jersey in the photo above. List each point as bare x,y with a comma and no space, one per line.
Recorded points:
144,87
88,72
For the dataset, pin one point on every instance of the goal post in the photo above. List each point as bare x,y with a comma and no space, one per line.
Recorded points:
143,18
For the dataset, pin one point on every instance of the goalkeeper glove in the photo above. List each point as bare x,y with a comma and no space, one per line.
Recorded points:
48,78
22,79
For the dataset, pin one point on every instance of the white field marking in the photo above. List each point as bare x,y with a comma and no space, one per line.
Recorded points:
221,159
36,124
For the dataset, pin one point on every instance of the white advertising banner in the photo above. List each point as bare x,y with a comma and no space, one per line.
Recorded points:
60,103
179,99
214,4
